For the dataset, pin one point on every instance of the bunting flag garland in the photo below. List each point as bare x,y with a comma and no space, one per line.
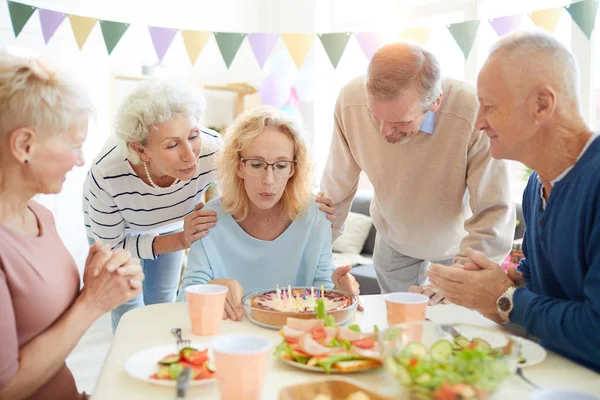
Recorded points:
262,46
194,42
112,32
369,42
464,34
334,45
298,44
229,44
546,19
50,21
19,15
161,39
419,35
81,27
506,25
583,13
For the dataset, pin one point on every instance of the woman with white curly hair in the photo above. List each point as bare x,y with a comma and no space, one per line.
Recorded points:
143,191
270,229
43,124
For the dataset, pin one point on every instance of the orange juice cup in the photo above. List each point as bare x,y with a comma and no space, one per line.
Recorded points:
205,307
405,307
241,362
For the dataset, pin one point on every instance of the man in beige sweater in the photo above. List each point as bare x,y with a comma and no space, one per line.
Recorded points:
437,189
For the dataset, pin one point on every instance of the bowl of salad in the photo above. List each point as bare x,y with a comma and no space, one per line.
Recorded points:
448,362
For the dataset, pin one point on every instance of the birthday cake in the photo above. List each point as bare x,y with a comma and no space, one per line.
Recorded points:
271,308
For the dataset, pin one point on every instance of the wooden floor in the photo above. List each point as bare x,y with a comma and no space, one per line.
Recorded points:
87,357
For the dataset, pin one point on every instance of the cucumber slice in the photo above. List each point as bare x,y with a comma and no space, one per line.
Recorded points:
414,349
423,379
211,367
164,372
481,344
461,341
170,359
441,350
175,370
391,366
403,375
498,352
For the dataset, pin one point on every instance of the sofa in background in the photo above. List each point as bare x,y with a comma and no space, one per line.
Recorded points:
365,272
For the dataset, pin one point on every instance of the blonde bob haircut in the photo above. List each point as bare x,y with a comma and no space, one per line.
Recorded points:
296,195
36,95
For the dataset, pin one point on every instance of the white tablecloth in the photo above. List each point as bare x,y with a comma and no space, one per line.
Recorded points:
150,326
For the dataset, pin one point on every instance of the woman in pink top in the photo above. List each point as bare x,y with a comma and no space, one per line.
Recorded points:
43,123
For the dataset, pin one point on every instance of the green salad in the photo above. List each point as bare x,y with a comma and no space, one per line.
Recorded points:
450,371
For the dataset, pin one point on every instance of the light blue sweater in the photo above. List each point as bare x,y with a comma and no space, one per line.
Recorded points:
300,256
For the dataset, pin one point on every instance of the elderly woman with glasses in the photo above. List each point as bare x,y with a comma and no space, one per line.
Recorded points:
43,310
270,230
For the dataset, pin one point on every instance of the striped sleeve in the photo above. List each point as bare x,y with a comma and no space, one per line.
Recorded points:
107,223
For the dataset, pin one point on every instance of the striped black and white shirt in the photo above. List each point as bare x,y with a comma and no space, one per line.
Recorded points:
121,210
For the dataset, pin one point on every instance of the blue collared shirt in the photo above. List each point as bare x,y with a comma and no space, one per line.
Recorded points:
428,124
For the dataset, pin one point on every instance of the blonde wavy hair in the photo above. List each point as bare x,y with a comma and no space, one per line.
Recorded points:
296,195
34,94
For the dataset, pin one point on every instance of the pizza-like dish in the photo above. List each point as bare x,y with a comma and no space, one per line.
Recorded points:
273,307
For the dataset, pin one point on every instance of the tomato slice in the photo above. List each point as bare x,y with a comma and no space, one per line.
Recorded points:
366,343
319,333
198,358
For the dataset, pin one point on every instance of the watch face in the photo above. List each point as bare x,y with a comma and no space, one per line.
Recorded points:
504,304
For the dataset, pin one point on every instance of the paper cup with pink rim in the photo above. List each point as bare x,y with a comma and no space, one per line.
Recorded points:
241,362
205,308
404,307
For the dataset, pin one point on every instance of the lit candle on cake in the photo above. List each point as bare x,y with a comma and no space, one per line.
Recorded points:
278,294
322,291
290,291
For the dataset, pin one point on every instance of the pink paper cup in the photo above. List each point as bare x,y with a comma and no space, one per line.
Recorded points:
405,307
241,362
205,307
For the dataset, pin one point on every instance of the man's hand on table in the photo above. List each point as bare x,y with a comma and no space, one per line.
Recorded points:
475,286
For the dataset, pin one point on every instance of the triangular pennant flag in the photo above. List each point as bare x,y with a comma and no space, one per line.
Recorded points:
112,32
464,34
262,46
161,39
229,44
584,15
334,45
19,15
546,19
504,25
82,27
419,35
194,43
369,42
50,21
298,44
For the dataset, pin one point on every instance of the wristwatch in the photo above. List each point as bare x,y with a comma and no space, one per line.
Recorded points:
504,304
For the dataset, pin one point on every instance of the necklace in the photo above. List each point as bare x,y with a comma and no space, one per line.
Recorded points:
154,185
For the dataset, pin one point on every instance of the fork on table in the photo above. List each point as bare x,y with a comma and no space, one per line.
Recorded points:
181,343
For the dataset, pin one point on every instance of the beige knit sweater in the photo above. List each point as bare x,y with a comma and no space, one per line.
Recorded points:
434,196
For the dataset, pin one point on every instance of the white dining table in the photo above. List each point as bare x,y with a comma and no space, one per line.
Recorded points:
150,326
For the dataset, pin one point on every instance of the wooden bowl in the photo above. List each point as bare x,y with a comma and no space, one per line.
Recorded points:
336,389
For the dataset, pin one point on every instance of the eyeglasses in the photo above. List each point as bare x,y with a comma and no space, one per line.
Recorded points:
281,169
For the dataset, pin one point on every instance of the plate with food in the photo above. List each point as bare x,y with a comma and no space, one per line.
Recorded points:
162,365
321,345
271,308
